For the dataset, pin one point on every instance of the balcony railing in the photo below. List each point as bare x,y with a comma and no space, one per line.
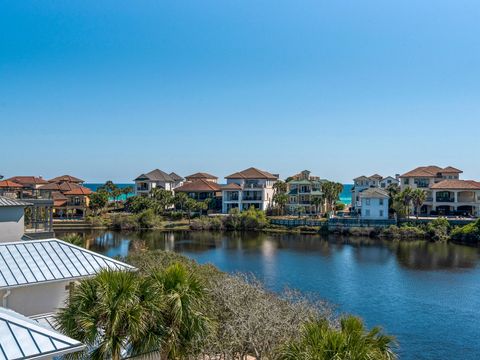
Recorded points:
441,199
142,188
253,186
252,198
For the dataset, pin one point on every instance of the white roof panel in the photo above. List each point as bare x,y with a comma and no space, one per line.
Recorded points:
24,338
37,261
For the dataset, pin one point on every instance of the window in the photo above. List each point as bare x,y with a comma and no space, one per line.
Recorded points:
381,201
367,212
406,181
381,213
367,201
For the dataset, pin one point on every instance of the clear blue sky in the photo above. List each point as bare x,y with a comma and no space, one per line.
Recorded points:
110,89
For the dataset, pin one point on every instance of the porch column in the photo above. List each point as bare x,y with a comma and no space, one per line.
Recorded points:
434,200
455,196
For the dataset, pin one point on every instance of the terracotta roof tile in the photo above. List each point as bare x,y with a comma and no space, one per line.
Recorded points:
9,184
66,178
456,185
201,175
28,180
431,171
252,173
231,186
201,185
79,191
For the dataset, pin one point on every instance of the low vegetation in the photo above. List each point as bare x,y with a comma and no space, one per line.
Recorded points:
174,308
468,234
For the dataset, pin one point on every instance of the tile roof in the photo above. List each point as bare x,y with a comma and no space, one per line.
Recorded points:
231,186
376,176
66,178
375,193
456,185
28,180
10,184
6,201
175,176
24,338
40,261
156,175
430,171
200,185
252,173
79,191
62,186
201,175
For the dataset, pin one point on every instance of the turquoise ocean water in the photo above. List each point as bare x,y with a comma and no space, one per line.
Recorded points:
345,196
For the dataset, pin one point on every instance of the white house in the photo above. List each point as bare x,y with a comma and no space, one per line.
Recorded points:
366,182
374,204
35,276
156,179
24,338
250,187
12,219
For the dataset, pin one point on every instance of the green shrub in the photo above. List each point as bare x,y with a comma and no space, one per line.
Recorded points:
137,204
146,219
74,239
438,229
469,234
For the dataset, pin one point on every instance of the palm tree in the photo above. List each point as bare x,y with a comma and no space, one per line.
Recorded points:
281,200
405,197
320,341
418,198
163,198
111,313
182,315
317,201
331,191
180,199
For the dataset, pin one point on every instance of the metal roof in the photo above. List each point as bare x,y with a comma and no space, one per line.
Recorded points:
24,338
38,261
6,201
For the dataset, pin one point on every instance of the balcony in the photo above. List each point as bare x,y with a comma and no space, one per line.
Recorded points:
445,200
252,198
253,186
142,188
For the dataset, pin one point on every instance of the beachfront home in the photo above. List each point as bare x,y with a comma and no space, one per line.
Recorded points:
374,204
145,183
247,188
202,190
30,185
24,338
303,188
70,199
446,194
363,182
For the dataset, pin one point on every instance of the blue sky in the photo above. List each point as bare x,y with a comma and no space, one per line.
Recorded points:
110,89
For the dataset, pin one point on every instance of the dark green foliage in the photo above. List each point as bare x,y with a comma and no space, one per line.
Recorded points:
469,234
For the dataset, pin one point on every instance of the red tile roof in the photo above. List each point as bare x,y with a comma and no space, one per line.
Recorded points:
231,186
28,180
66,178
456,185
201,185
64,186
252,173
79,191
431,171
200,175
9,184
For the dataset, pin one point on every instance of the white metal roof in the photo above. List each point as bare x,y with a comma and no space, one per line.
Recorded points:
6,201
37,261
23,338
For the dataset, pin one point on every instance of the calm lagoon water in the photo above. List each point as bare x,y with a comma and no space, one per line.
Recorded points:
427,295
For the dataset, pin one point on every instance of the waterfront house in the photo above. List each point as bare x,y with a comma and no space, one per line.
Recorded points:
374,204
30,185
247,188
145,183
70,199
303,188
10,189
363,182
446,193
67,179
24,338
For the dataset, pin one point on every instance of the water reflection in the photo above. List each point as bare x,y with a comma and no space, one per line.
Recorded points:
417,255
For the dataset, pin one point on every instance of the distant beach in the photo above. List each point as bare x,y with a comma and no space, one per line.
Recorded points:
95,186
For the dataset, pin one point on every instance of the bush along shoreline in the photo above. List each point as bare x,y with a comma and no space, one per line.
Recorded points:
175,308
